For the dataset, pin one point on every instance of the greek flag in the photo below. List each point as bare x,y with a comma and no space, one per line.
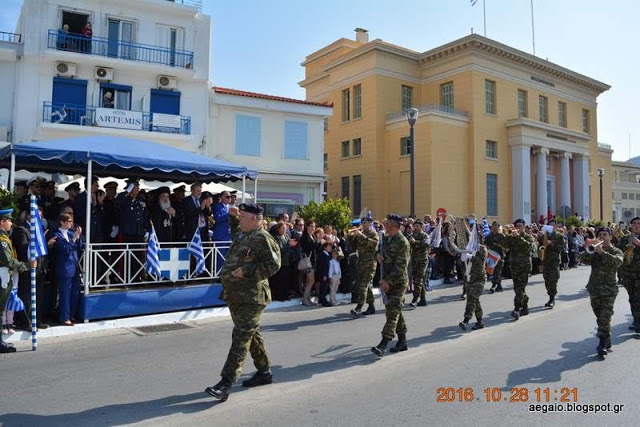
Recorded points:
195,249
485,228
40,241
473,2
15,304
153,248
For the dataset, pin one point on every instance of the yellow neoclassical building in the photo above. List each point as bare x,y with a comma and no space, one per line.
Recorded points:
501,133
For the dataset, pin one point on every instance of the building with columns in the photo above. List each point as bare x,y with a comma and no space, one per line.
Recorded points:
500,133
625,191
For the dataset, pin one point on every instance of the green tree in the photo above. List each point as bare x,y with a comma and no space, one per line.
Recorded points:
9,200
335,212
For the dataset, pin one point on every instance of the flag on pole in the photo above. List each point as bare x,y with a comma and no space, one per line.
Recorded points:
36,230
473,2
195,249
40,241
15,304
152,266
485,228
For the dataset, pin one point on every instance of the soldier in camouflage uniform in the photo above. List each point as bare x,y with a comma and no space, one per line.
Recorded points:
419,241
630,246
474,289
495,242
366,243
603,285
395,258
519,244
554,245
253,257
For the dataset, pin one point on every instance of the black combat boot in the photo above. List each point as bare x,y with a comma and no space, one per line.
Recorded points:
423,299
258,379
464,324
479,325
380,348
370,310
401,345
524,310
221,390
6,347
602,347
492,289
414,302
499,288
607,344
551,302
515,314
357,312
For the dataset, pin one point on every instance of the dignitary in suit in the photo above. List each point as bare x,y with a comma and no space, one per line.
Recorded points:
193,211
66,245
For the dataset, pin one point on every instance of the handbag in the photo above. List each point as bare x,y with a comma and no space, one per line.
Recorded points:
304,263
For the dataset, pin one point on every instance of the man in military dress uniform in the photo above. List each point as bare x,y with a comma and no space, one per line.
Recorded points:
554,245
366,243
419,241
132,217
603,284
253,257
474,288
394,283
519,245
495,242
8,264
630,246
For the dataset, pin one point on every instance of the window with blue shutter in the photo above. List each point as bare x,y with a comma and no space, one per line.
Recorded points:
492,194
248,135
295,140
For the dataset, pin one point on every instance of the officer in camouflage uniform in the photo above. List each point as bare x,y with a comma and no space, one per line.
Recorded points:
495,242
519,245
554,245
395,258
253,257
474,289
630,246
419,241
8,264
603,285
366,243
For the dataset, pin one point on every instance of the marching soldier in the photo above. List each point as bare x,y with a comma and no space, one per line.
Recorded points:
519,245
603,284
419,241
253,257
366,243
495,242
474,289
394,284
551,258
630,246
8,264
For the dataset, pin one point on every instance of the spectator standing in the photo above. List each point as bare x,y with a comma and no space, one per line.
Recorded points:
335,274
87,34
66,245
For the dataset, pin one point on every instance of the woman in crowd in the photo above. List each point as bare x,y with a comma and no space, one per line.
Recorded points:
309,250
280,283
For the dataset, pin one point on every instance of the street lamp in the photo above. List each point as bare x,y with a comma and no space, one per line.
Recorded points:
412,117
600,172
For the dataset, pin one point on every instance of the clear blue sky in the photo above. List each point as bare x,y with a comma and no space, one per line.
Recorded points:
258,45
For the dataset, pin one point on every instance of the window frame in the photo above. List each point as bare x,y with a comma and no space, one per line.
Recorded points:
543,101
444,96
235,145
291,122
490,97
586,121
402,146
406,94
348,187
562,114
357,101
488,142
344,144
354,145
523,112
346,105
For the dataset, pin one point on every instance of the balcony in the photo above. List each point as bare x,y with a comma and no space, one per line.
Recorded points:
10,37
429,108
59,40
193,3
86,115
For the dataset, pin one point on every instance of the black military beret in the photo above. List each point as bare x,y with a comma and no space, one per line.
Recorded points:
395,218
51,184
605,229
163,190
495,223
252,208
111,184
72,186
519,221
418,222
233,192
634,219
366,218
180,188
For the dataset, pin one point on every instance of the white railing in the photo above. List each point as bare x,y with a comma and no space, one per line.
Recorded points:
117,265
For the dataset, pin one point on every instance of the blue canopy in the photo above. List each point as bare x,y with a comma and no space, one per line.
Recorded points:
122,157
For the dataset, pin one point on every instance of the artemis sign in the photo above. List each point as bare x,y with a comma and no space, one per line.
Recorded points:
122,119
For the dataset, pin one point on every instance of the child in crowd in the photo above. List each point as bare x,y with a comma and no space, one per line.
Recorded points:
335,274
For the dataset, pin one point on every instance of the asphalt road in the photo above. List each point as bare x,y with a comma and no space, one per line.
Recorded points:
325,373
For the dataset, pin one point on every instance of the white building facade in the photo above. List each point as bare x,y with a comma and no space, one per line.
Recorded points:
626,191
143,73
281,138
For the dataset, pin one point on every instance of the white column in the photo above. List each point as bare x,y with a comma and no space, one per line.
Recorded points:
581,186
565,182
521,177
541,183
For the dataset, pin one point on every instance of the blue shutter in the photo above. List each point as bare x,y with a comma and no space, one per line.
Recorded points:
71,95
248,135
295,140
165,102
492,194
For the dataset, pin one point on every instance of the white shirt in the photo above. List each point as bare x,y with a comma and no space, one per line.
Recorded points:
334,268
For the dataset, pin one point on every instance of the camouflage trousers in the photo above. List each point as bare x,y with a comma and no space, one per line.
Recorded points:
419,269
520,275
551,276
473,290
632,285
245,337
602,306
395,320
363,284
496,277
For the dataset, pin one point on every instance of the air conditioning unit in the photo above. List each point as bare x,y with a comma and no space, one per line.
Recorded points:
103,73
167,82
66,69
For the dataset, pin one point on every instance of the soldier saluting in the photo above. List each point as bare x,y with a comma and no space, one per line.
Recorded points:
366,243
253,257
554,244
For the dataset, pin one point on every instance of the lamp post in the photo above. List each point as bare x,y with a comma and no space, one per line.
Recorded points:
601,175
412,117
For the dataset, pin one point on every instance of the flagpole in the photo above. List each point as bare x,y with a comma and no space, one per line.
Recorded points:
32,257
533,32
484,14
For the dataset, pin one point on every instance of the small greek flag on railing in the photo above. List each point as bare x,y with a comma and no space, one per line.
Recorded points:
41,243
153,248
485,228
195,249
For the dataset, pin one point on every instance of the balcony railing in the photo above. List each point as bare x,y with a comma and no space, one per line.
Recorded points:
429,108
194,3
85,115
10,37
604,145
61,40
